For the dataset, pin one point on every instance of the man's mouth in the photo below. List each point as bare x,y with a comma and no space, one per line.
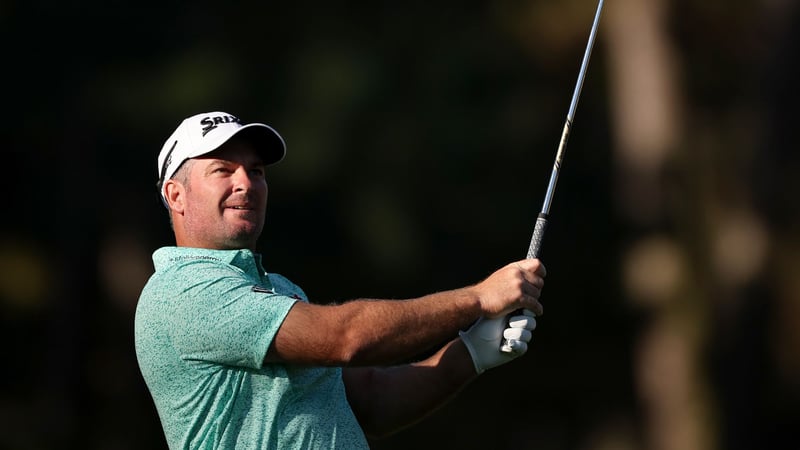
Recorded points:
246,207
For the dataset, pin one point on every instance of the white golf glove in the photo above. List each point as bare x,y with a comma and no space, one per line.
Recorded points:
484,338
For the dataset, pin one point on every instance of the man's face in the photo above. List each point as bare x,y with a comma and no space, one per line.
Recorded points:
226,198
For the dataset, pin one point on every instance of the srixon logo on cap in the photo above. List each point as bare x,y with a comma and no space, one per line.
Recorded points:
209,123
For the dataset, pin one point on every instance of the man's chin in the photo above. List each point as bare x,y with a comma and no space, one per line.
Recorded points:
245,236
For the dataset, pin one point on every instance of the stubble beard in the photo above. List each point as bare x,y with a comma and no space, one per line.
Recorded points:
225,234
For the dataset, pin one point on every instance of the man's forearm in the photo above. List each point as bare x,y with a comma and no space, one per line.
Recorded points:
386,400
370,332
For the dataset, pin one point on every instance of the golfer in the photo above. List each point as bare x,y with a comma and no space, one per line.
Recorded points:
236,357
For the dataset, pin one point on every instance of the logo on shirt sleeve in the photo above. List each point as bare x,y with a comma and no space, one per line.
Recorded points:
263,290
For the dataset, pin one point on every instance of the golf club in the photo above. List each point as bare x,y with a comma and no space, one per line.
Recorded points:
534,250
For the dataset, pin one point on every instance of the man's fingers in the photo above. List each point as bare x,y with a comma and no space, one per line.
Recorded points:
526,320
517,334
517,347
532,271
540,269
534,266
531,289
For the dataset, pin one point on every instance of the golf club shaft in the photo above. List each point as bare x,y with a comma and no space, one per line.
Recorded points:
535,247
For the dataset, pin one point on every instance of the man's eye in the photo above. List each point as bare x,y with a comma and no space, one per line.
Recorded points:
258,171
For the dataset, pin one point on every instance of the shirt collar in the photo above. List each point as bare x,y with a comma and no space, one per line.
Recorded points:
244,259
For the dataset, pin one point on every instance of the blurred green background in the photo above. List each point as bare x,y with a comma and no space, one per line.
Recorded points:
420,137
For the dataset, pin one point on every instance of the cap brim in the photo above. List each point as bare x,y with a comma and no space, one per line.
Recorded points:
264,139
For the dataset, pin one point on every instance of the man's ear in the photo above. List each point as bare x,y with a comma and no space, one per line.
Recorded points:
175,193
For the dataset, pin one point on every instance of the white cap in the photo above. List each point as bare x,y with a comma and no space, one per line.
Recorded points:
204,133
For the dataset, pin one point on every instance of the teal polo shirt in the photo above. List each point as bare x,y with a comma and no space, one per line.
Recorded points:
204,322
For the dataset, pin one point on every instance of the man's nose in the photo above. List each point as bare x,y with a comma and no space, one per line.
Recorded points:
241,180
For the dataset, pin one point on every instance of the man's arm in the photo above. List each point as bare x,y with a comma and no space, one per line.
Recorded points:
388,399
375,332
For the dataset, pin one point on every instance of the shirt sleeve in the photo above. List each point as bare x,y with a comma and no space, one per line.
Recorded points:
285,287
221,319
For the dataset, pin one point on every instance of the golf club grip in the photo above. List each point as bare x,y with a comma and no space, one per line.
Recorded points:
534,250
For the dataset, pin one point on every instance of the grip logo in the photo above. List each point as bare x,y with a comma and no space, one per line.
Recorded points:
209,123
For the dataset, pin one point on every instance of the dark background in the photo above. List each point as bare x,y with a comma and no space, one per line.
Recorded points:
420,137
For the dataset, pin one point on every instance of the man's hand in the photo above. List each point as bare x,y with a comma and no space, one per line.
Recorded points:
484,338
513,287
